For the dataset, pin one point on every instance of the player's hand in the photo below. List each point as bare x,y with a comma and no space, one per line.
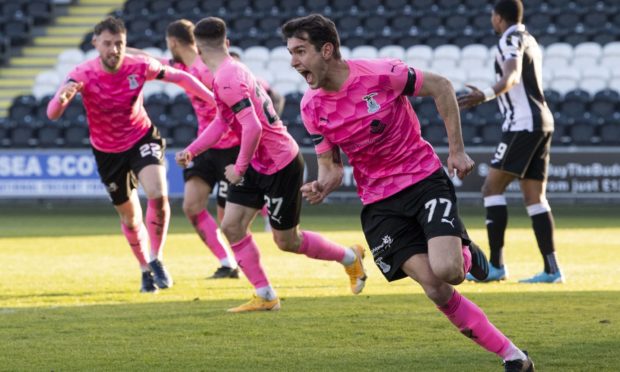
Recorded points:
183,158
471,99
460,163
313,192
69,91
231,174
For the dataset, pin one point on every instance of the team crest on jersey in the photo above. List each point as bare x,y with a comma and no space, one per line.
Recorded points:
373,106
133,81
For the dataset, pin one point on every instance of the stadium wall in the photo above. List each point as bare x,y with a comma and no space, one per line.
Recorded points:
583,173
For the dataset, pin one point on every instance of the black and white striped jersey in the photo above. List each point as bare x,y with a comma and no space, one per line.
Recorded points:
523,106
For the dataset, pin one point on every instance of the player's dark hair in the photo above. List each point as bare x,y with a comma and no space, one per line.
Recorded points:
113,25
182,30
510,10
314,28
211,30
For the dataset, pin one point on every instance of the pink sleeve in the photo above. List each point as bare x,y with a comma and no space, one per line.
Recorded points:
55,109
250,136
189,83
208,137
404,79
321,144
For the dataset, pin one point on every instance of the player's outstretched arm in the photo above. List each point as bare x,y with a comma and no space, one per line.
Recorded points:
205,140
189,83
330,176
476,96
57,105
442,92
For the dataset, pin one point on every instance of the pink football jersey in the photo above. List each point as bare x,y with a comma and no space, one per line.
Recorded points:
237,89
372,121
114,101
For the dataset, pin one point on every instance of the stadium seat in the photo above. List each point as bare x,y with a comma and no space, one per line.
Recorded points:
156,105
48,77
50,136
23,108
435,134
610,134
183,134
583,134
392,51
280,53
575,103
491,133
419,55
402,23
364,51
76,136
605,103
566,79
480,77
23,136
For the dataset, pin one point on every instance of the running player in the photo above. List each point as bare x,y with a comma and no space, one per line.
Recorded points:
127,147
269,170
410,216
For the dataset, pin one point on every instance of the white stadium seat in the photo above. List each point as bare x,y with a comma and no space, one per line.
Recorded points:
152,87
238,50
611,49
41,90
72,56
564,50
441,65
285,87
458,78
588,49
447,51
475,51
154,52
91,54
364,51
592,85
419,55
49,77
392,51
256,53
173,90
345,52
566,79
280,53
610,61
480,78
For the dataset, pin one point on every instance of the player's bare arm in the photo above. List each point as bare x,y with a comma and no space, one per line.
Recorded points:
442,92
330,176
231,174
476,96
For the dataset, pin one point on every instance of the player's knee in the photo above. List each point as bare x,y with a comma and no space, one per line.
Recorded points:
233,231
451,273
191,208
285,243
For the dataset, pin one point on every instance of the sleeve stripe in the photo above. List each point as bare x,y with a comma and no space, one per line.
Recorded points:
316,139
241,105
410,84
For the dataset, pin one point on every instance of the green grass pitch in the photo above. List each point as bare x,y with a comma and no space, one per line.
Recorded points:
69,301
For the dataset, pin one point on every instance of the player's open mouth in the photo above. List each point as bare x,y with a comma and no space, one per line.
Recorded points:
307,76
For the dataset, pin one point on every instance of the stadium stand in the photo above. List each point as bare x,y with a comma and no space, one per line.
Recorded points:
451,37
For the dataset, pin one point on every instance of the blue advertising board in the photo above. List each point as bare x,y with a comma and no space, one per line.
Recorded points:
62,174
